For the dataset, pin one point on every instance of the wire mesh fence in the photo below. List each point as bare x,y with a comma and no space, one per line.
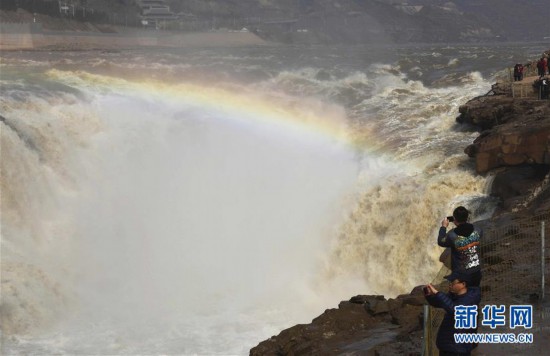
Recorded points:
515,259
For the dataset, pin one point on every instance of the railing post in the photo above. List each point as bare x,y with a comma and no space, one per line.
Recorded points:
542,235
522,93
511,77
425,347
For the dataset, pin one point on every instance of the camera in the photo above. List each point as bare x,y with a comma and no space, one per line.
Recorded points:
426,290
451,218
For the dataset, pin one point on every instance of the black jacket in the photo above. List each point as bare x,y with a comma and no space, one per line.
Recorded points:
464,243
445,336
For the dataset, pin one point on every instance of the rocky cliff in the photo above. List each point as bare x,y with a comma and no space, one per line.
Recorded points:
517,132
513,147
514,144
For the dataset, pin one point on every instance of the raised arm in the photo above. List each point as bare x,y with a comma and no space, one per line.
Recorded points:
442,239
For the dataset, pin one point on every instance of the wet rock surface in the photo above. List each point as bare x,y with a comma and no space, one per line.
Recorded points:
364,325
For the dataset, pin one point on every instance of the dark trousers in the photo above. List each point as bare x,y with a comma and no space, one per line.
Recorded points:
475,279
544,91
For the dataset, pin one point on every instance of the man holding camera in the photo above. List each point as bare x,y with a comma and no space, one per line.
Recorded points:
460,295
463,242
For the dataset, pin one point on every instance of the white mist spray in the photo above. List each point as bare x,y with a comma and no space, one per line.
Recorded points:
184,228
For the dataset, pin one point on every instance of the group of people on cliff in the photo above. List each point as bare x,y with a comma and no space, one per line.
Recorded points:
542,68
463,244
518,72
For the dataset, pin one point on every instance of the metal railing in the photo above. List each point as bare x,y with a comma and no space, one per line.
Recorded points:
527,89
513,267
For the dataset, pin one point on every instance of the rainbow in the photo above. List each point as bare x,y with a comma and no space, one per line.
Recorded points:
251,107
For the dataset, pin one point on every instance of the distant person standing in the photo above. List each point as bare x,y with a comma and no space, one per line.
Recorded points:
458,318
544,88
463,242
518,72
540,67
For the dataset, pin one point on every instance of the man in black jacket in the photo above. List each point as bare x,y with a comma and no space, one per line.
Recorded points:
464,242
464,297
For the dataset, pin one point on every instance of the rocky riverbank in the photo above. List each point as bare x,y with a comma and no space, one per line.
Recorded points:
514,148
323,21
21,30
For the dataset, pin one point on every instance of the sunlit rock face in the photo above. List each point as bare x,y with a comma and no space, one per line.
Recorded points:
516,131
